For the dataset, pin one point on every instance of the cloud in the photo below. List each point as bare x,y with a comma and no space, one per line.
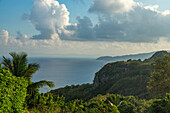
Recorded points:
21,36
152,7
82,31
26,40
166,12
112,6
6,40
4,37
118,20
47,16
155,9
140,24
49,48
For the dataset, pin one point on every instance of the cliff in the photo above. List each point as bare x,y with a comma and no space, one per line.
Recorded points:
126,77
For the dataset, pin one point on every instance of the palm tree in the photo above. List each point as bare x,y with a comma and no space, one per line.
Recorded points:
19,67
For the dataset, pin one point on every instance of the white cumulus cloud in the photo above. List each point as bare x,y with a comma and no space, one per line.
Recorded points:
4,37
48,17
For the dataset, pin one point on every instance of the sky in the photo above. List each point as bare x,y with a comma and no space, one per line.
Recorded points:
84,28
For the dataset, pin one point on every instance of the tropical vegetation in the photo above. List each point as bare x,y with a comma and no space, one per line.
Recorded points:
12,92
159,83
132,86
20,67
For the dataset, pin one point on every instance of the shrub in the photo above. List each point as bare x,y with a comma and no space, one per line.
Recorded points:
160,105
12,92
126,107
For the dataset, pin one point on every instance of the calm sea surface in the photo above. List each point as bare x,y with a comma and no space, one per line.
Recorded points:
66,71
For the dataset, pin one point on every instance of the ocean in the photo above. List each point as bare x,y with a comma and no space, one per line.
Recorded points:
66,71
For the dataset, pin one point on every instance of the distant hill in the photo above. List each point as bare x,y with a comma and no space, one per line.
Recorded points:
141,56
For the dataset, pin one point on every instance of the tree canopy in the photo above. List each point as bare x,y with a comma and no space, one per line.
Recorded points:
159,83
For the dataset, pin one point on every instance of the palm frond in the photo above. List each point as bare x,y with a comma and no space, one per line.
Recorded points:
22,64
8,64
41,84
14,63
30,70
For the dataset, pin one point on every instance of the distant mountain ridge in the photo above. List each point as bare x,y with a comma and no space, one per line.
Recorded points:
141,56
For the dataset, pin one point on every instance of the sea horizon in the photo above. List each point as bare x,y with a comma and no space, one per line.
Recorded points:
66,71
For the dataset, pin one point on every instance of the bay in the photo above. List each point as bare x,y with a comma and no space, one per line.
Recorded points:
66,71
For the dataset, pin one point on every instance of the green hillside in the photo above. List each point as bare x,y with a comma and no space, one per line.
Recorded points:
123,77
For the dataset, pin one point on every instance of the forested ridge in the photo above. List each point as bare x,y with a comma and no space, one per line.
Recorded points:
132,86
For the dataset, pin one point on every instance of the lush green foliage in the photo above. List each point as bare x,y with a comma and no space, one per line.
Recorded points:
109,103
83,92
19,67
160,105
159,83
100,104
12,92
126,78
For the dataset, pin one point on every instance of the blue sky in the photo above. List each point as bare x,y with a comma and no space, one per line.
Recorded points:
84,28
12,10
163,4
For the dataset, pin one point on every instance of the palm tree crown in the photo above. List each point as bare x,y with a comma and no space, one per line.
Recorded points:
19,67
